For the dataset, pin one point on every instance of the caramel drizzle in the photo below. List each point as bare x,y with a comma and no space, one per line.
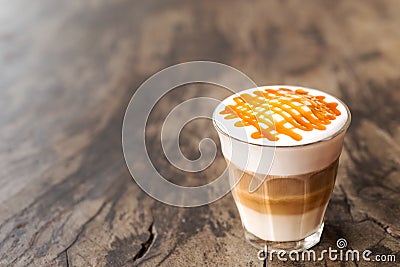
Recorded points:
256,110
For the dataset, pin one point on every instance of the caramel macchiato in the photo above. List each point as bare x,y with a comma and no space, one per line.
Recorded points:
282,145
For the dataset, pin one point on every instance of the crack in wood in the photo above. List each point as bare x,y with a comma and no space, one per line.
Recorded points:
83,228
146,246
67,258
349,205
381,225
384,227
147,258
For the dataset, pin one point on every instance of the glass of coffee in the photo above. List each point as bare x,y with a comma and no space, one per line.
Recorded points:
282,145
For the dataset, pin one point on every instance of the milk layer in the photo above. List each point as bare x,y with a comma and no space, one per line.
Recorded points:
281,227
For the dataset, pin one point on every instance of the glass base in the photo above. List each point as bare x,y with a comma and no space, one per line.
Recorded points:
297,245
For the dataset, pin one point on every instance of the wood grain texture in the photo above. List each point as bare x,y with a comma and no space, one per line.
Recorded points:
68,69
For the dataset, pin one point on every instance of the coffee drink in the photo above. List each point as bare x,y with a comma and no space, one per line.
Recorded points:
282,145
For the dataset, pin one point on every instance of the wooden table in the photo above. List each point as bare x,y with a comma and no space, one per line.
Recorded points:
69,68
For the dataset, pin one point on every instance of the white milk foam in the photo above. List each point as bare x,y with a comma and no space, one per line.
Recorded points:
285,156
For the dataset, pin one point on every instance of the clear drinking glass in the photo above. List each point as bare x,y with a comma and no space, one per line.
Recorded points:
285,210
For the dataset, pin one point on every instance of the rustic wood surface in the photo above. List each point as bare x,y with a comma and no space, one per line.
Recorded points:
69,68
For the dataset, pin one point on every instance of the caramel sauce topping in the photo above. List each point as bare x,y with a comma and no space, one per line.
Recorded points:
298,110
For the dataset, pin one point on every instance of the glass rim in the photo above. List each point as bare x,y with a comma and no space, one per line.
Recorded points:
332,136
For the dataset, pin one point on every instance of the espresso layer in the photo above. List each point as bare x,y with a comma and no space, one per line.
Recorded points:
285,195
